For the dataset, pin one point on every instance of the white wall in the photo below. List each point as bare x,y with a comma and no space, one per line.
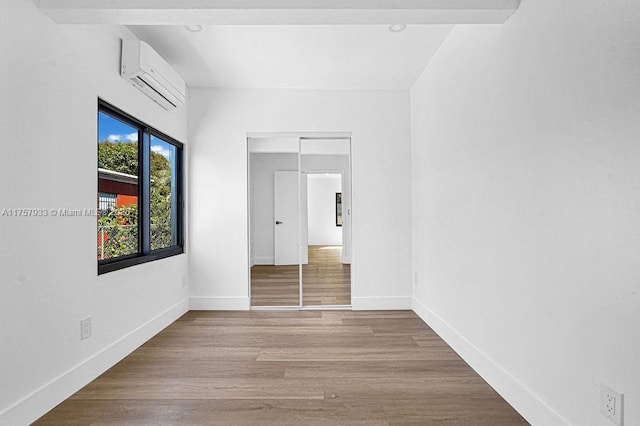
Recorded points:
218,123
526,204
322,209
50,79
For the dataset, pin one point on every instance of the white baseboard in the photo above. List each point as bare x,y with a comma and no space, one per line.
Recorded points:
263,260
220,304
530,406
380,303
46,397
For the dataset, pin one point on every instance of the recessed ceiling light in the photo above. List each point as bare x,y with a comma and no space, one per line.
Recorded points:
193,28
397,28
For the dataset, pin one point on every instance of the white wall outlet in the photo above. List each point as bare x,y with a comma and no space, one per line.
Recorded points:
85,328
611,404
185,281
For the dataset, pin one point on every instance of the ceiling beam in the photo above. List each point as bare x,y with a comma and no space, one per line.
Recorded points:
278,12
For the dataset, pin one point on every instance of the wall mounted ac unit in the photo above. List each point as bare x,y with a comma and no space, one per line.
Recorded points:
147,71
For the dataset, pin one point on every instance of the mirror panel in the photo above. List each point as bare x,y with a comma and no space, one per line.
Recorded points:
274,228
326,242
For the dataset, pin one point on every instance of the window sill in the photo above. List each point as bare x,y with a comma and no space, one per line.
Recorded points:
117,264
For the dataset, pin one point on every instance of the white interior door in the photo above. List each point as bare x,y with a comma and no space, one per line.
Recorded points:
286,225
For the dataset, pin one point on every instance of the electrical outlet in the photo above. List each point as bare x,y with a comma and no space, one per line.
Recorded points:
85,328
185,281
611,404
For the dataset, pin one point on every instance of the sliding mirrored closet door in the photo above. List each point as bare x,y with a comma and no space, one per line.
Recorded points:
274,229
299,222
326,276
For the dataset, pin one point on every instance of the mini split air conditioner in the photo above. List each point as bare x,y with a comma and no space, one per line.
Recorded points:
146,70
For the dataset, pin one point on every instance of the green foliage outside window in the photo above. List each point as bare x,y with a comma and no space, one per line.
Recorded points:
118,232
118,157
160,197
118,227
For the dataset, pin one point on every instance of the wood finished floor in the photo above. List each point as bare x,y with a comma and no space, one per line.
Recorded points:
326,281
289,368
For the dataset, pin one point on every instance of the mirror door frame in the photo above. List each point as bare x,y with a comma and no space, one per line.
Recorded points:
300,137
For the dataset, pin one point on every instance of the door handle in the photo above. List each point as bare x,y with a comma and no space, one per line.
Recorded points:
278,222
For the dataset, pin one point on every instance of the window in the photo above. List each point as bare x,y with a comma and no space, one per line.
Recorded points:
106,202
163,194
139,192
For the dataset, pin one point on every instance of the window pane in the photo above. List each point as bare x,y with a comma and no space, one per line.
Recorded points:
117,188
106,202
163,193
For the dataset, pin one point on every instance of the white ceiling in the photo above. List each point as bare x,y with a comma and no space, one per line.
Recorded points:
307,44
297,56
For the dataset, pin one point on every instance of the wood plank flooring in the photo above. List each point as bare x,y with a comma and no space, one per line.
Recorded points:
275,285
289,368
326,281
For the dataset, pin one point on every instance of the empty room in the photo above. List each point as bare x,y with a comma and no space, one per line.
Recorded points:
313,212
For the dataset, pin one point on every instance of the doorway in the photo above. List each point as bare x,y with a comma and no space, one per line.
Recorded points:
299,222
326,276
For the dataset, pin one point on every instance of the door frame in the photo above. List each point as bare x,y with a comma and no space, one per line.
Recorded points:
300,136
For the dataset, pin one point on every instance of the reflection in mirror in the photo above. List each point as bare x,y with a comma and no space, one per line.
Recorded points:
274,228
326,277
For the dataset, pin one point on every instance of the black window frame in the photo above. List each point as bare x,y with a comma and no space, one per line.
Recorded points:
145,254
